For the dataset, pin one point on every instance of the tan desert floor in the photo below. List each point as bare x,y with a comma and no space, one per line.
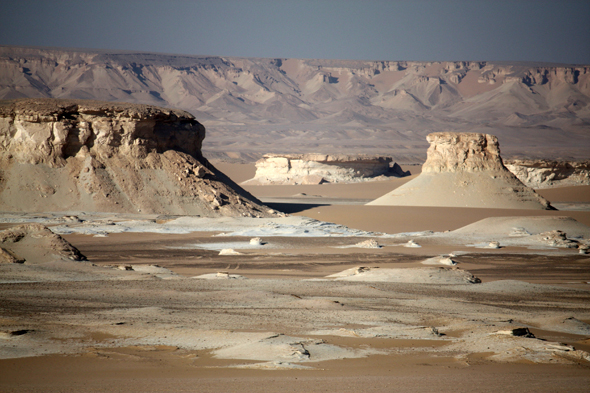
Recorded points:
160,330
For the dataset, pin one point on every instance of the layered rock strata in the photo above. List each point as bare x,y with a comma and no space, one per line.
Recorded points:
549,173
77,155
283,105
464,170
322,168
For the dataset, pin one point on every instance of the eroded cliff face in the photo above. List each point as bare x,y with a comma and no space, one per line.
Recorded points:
469,152
327,106
548,173
76,155
464,170
50,131
322,168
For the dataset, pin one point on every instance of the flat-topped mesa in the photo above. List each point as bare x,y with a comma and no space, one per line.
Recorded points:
49,131
454,152
322,168
464,170
78,155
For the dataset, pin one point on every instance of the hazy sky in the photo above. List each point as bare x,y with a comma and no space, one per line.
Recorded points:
512,30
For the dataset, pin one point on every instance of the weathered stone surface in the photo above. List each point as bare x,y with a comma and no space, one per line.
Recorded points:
320,105
548,173
464,170
66,155
35,242
7,256
322,168
462,152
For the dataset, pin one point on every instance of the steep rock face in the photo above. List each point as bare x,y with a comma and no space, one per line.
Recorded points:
98,156
548,173
469,152
464,170
327,106
49,131
321,168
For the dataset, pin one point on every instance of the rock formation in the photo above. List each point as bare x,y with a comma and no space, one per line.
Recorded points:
548,173
322,168
66,155
464,170
34,243
256,106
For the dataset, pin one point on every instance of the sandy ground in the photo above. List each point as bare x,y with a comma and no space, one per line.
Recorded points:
272,320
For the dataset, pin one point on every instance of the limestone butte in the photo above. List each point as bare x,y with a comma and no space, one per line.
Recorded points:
77,155
464,170
322,168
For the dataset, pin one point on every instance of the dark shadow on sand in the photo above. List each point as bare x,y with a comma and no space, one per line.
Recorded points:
290,208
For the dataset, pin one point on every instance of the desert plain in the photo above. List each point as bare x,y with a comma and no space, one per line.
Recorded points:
129,262
273,317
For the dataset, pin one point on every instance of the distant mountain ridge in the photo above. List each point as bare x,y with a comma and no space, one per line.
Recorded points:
253,106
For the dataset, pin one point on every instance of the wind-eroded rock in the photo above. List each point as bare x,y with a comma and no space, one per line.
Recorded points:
97,156
322,168
464,170
462,152
548,173
34,243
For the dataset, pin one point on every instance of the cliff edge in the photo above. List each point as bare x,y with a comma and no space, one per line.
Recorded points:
78,155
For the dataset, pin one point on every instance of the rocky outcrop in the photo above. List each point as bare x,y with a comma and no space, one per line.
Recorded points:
34,243
66,155
548,173
464,152
464,170
322,168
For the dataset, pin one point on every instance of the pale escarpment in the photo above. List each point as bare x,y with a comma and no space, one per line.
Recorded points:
548,173
77,155
322,168
256,106
464,170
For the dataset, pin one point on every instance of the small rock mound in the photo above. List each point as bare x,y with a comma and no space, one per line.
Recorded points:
412,244
256,241
408,275
557,238
229,251
33,243
370,243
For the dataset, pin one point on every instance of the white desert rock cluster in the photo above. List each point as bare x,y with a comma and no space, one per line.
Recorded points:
464,170
548,173
66,155
322,168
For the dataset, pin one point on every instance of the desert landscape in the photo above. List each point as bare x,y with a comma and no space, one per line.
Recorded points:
352,226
